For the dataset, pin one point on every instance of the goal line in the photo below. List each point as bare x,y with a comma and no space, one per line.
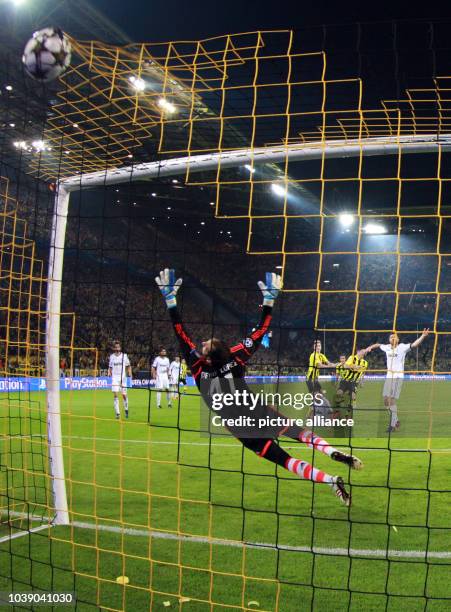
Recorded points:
378,553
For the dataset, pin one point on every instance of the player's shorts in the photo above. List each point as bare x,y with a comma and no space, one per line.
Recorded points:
314,386
392,387
162,383
174,381
348,386
117,386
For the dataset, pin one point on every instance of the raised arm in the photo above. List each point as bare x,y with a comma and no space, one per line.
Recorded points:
419,340
270,290
169,287
371,347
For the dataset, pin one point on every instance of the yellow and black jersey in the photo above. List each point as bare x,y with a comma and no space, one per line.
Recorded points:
340,370
183,371
354,375
313,370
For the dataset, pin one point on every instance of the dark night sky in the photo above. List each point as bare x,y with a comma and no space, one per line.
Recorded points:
161,20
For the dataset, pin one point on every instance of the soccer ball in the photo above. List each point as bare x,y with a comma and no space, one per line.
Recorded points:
47,54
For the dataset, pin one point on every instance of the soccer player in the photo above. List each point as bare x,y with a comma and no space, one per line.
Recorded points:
174,376
395,353
160,374
340,369
216,360
317,361
118,369
183,374
351,373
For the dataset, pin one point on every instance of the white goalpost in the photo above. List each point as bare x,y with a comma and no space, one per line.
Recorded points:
427,143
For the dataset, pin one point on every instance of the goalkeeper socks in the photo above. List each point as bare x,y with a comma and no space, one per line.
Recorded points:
116,407
394,415
271,451
317,443
306,471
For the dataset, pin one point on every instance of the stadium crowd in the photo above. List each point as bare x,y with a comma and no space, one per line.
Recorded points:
108,284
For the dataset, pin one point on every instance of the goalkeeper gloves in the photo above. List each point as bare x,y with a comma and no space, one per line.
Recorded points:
271,289
168,286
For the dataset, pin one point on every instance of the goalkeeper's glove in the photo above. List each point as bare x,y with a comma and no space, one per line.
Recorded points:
271,289
168,286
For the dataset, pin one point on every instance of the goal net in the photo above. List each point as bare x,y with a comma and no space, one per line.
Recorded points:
226,158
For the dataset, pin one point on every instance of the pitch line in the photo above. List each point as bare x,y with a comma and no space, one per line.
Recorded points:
220,444
20,534
166,535
341,552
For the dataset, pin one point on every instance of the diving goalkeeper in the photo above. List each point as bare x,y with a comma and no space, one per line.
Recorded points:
216,361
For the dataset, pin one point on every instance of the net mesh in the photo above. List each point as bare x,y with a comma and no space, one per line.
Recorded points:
362,244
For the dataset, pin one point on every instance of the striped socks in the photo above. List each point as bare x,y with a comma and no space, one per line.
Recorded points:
306,471
317,443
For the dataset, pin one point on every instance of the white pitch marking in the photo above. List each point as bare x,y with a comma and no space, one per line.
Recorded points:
231,443
165,535
20,534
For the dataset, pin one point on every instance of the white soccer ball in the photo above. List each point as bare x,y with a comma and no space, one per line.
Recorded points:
47,54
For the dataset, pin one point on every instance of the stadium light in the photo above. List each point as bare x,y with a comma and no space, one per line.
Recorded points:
278,190
374,228
166,105
249,167
39,145
346,219
137,83
20,144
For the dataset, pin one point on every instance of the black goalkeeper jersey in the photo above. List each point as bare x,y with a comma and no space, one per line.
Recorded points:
240,353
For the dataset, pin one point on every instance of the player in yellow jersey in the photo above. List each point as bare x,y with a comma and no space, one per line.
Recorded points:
352,372
317,361
183,374
340,369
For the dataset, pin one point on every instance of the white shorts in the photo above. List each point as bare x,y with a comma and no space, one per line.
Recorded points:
392,387
118,387
162,383
174,381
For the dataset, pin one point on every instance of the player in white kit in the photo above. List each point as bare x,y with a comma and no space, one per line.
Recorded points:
174,376
160,374
395,353
119,368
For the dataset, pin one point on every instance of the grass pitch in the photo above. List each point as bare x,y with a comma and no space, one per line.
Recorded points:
171,509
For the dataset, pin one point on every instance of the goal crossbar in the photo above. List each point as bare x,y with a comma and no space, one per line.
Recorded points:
330,149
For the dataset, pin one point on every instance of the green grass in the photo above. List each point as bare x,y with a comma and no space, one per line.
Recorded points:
176,488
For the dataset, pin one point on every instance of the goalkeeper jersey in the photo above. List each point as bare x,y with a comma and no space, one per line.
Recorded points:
313,370
200,366
354,375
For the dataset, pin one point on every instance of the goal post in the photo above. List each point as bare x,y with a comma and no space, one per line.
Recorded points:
53,320
411,144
